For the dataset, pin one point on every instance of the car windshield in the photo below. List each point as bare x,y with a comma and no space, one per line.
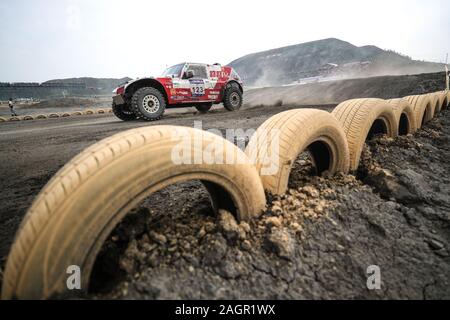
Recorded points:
173,71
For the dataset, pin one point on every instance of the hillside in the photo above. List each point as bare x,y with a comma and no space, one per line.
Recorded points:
328,58
58,88
334,92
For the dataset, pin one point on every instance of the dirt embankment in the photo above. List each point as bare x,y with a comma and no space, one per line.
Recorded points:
335,92
315,242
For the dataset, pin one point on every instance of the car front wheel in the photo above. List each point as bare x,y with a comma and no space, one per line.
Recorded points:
148,103
232,99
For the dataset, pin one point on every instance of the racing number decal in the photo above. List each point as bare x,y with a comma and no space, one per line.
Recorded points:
198,90
197,87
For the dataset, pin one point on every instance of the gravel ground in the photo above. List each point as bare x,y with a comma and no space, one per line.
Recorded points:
315,242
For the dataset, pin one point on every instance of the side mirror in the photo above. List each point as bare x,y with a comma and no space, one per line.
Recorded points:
189,74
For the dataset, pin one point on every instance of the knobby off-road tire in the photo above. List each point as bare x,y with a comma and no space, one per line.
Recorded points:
423,108
360,119
404,116
148,103
80,206
232,97
203,108
123,112
296,131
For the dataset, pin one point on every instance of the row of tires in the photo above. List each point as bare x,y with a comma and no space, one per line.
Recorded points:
81,205
56,115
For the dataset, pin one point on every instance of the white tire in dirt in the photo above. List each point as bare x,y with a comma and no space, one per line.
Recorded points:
443,100
423,108
435,103
41,116
296,131
404,115
2,119
360,118
80,206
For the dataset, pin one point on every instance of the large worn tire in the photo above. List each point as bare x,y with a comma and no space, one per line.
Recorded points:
435,103
443,100
80,206
362,117
232,97
123,112
404,116
204,107
148,103
423,108
448,98
297,131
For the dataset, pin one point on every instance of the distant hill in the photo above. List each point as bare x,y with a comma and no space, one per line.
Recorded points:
58,88
105,85
328,58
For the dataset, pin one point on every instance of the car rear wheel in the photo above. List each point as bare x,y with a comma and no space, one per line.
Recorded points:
232,99
204,107
123,112
148,103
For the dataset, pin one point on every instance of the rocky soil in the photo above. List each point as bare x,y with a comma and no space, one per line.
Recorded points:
315,242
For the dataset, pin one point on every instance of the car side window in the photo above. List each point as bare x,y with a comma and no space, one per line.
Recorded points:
199,71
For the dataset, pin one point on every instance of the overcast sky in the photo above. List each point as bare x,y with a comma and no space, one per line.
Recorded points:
47,39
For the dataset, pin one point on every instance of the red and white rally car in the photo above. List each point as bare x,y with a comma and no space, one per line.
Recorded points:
183,85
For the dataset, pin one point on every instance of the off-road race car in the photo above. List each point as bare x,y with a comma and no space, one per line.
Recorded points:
183,85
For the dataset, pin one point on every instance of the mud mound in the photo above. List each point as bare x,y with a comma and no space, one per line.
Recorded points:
316,241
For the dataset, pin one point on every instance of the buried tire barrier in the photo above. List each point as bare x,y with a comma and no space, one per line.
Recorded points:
447,93
361,119
435,103
423,108
27,118
77,113
294,132
80,206
53,115
443,100
100,111
14,119
89,111
65,114
2,119
404,116
41,116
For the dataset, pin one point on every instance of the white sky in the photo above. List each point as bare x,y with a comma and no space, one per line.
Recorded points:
47,39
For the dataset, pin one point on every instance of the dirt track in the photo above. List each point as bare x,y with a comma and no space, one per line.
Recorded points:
315,242
32,151
175,248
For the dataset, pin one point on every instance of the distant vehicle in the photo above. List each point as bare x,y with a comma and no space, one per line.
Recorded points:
183,85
